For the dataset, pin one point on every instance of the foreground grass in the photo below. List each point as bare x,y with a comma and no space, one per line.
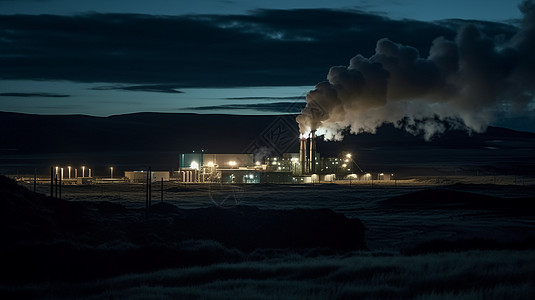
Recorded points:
474,274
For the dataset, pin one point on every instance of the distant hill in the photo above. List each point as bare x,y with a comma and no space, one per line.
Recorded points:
27,133
134,141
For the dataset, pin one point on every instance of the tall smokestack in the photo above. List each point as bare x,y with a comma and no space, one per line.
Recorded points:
303,155
312,168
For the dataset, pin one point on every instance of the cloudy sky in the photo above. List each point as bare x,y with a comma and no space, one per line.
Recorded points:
107,57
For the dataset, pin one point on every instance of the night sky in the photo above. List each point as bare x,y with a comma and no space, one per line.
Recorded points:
240,57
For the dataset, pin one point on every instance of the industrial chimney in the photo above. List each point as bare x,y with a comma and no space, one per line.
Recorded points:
312,168
303,155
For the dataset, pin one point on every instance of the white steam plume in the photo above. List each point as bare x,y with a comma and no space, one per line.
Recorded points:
465,82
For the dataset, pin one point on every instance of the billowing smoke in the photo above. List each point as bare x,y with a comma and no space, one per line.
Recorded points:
464,83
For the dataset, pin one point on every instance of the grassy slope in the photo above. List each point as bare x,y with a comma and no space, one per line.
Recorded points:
219,272
49,239
473,274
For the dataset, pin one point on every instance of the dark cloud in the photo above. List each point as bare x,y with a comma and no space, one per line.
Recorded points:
265,47
267,98
44,95
466,81
278,107
63,107
160,88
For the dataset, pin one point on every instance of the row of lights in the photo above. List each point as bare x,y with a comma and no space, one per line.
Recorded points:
59,171
232,163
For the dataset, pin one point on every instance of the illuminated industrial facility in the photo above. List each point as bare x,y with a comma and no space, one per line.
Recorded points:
307,166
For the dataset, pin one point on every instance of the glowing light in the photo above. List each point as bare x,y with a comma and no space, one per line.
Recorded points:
348,155
257,163
210,164
194,165
344,165
274,163
232,163
83,171
111,172
251,176
295,159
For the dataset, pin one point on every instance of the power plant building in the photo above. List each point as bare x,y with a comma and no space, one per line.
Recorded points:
221,167
200,159
307,166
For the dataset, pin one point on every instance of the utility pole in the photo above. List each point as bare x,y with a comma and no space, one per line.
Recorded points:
60,187
147,190
150,187
51,181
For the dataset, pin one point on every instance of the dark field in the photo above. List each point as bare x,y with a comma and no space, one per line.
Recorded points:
423,241
389,227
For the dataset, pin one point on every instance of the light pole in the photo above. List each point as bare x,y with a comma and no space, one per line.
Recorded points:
349,159
111,172
83,171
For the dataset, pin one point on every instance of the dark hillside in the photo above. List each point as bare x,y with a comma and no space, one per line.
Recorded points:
26,133
46,238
